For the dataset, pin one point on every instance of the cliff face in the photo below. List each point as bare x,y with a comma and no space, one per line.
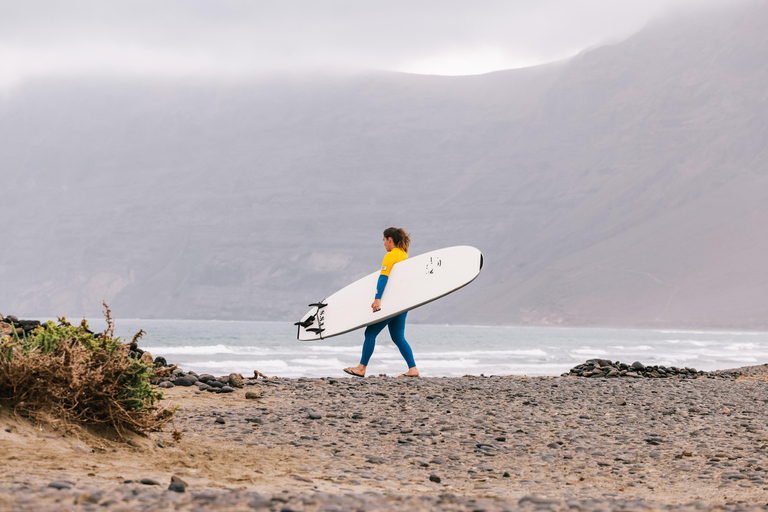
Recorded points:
626,186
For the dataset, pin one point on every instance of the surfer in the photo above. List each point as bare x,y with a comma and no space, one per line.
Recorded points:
396,242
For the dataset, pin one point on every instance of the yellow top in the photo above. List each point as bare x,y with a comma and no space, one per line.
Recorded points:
396,255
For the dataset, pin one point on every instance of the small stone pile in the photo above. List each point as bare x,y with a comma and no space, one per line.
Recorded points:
605,368
11,323
204,382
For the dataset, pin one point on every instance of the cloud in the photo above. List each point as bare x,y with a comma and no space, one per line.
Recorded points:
241,38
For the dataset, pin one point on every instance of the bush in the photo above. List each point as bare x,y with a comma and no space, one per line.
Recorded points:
79,376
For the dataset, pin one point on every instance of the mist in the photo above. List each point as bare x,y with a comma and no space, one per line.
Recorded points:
214,162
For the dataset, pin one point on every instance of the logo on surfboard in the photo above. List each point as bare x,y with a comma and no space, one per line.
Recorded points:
433,264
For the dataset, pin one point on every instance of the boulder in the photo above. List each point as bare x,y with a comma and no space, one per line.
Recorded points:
235,380
5,329
146,358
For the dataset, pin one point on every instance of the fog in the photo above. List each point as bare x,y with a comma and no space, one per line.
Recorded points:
240,39
623,186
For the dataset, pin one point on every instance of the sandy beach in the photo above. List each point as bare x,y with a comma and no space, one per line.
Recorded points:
385,443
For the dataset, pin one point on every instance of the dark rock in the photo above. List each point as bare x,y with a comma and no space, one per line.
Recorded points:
227,389
434,478
637,365
252,395
184,381
160,361
315,415
219,419
60,484
176,487
148,481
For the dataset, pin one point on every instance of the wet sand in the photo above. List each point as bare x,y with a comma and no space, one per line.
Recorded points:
383,443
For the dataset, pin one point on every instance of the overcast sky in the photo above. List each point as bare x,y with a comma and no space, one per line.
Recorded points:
240,38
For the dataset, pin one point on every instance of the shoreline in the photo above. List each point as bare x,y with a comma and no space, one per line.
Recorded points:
434,443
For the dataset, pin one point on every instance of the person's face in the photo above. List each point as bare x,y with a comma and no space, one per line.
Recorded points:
389,244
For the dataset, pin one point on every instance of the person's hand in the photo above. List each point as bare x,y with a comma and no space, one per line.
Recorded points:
376,306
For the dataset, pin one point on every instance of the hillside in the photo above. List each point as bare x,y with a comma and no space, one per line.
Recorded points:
626,186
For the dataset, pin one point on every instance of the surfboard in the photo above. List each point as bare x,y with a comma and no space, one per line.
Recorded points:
412,283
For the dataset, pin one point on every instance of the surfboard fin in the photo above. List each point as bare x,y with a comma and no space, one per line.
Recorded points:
306,323
318,305
315,330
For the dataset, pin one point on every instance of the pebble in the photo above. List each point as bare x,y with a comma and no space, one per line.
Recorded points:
471,443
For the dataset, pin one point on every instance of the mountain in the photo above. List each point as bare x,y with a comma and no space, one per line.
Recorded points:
627,186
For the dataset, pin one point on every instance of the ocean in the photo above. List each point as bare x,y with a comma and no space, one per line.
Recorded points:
223,347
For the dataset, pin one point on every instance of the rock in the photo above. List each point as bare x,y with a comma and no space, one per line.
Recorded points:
60,484
220,420
166,384
5,329
434,478
235,380
160,362
252,395
148,481
637,365
227,389
185,381
177,484
315,415
146,358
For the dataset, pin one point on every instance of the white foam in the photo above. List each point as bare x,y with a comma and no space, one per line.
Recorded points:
203,350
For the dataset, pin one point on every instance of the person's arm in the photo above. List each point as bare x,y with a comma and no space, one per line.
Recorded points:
380,285
386,267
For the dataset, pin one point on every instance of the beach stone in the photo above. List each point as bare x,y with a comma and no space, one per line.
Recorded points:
434,478
160,362
176,487
185,381
5,329
227,389
251,395
60,484
315,415
146,358
235,380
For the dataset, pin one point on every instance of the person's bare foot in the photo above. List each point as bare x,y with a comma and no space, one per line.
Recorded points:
412,372
357,371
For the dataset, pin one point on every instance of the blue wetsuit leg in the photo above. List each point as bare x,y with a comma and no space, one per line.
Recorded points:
397,332
369,344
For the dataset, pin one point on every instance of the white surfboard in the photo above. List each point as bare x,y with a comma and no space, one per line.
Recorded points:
412,283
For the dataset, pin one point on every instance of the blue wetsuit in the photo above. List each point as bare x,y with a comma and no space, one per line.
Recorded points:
396,324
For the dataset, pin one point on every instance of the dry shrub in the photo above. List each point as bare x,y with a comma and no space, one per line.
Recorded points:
77,376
